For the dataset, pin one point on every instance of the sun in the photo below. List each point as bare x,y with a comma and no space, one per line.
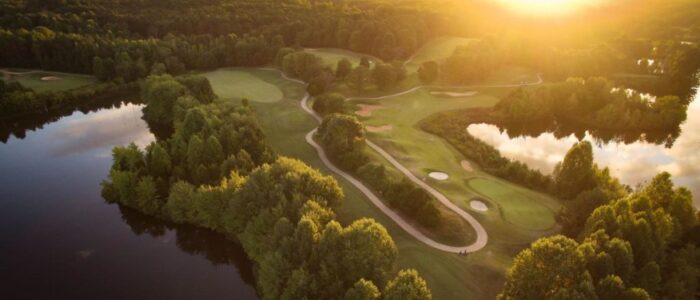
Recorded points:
547,7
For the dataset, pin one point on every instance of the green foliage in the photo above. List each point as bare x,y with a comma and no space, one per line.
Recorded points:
594,103
575,173
362,290
159,163
408,285
549,268
303,65
450,126
387,75
343,68
428,72
630,248
329,104
161,93
343,138
199,87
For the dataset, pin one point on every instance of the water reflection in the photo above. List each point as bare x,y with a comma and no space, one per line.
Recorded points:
634,162
19,126
193,240
96,131
60,240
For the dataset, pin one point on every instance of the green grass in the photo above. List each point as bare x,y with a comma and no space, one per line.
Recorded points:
522,210
33,79
231,83
331,56
477,276
509,230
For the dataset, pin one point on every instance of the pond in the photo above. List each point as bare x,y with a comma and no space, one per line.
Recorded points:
632,162
61,240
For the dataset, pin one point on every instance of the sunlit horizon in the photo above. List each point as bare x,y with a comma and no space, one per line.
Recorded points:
548,7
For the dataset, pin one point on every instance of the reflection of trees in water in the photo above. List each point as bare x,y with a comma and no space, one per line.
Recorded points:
600,136
193,240
18,126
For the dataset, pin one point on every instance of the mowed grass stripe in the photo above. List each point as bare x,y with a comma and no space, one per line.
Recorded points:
234,83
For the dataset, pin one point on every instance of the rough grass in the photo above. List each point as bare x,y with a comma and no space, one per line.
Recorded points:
33,79
230,83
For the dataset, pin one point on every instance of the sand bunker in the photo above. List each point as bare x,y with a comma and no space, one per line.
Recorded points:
438,175
366,109
478,205
50,78
382,128
467,166
454,94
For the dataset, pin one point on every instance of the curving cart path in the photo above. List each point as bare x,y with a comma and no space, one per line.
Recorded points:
481,234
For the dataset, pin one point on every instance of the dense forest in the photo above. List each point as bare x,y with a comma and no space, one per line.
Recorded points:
618,78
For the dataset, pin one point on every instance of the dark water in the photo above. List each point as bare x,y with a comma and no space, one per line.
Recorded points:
60,240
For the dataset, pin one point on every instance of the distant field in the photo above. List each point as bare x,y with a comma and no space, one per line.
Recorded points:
46,80
236,83
331,56
437,49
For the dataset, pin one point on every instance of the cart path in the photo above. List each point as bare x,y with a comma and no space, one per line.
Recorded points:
481,234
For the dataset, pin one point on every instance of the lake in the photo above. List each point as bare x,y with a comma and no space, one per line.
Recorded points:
61,240
633,163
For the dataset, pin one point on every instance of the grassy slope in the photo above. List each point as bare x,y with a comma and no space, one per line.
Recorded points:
33,80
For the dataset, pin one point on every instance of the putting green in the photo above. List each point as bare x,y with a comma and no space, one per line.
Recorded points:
517,208
331,56
42,81
237,84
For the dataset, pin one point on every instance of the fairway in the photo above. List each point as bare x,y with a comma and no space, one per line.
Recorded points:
231,83
521,210
331,56
42,81
424,153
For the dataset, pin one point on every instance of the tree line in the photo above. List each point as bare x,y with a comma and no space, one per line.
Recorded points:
641,245
593,103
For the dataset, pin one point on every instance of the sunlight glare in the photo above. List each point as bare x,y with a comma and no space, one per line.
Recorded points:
548,7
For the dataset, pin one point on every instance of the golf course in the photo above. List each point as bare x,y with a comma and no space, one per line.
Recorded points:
39,80
514,216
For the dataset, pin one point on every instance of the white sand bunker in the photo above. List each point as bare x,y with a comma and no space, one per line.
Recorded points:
366,109
478,205
382,128
438,175
454,94
467,166
50,78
